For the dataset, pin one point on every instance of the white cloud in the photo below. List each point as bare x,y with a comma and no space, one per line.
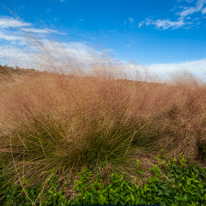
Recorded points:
10,22
196,68
55,31
192,10
33,30
167,23
140,24
48,10
148,21
192,66
62,0
82,52
42,31
81,20
18,57
204,11
59,52
85,54
9,37
131,20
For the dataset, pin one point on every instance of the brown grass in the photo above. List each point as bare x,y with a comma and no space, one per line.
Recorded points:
73,113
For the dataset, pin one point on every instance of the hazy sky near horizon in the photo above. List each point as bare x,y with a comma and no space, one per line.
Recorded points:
163,35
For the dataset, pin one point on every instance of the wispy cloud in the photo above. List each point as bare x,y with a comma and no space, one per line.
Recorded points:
87,55
17,55
131,20
6,22
33,30
12,40
141,23
189,1
192,10
204,11
180,22
48,10
81,20
9,23
57,32
41,31
9,37
166,24
29,56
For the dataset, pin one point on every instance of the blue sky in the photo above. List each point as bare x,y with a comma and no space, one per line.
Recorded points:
163,35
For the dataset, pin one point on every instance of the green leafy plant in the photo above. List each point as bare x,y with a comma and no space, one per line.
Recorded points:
51,196
183,185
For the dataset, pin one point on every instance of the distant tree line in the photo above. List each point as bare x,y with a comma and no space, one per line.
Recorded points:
9,71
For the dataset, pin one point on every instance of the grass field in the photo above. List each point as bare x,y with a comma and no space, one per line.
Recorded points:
58,124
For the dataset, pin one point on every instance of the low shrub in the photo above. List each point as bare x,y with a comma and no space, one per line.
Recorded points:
184,185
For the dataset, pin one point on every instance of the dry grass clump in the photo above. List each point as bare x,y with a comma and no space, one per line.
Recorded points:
52,121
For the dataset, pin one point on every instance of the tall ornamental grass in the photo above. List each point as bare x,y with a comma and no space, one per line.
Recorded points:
63,122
